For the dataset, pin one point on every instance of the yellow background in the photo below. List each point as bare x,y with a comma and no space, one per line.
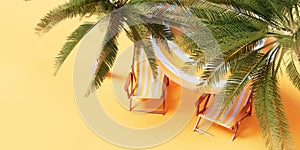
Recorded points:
38,110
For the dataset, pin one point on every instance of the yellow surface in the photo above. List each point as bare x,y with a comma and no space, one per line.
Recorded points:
38,110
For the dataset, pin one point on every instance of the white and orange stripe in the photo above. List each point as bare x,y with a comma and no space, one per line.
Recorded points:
172,66
227,118
147,85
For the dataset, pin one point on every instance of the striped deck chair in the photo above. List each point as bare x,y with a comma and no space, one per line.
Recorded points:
231,119
142,86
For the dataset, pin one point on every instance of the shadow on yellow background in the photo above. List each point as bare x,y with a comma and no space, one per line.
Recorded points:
38,110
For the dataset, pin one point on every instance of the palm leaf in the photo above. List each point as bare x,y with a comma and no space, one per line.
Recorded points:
249,66
191,48
244,50
172,15
231,30
272,12
269,110
139,32
108,52
293,72
71,9
236,83
72,41
146,45
236,58
141,35
215,71
161,35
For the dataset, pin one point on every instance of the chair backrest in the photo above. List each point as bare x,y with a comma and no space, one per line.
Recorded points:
227,118
147,85
174,65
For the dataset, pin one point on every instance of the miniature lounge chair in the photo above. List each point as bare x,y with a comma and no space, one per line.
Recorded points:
231,119
141,84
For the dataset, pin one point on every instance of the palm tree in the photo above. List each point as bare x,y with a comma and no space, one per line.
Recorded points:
239,25
118,21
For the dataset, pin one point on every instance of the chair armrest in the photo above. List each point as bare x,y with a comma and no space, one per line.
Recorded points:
129,82
164,87
199,101
166,81
132,72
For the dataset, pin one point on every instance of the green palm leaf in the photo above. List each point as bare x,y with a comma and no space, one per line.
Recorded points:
72,41
161,35
108,52
293,73
141,35
237,26
272,12
71,9
230,29
215,71
239,78
269,110
189,46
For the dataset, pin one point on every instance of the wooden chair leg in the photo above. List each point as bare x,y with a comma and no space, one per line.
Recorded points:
250,111
197,108
236,127
196,125
198,111
164,105
130,104
251,107
168,82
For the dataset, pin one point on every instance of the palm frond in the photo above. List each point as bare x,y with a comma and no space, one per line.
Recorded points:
269,110
190,47
231,30
297,41
237,54
71,9
236,60
147,45
172,15
293,72
215,71
161,35
157,1
234,85
273,12
278,60
72,41
108,52
245,56
142,38
248,68
285,41
141,34
247,60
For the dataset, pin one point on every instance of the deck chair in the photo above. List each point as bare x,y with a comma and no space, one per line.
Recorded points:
231,119
142,86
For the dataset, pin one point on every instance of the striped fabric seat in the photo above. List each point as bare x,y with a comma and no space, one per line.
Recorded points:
147,90
228,118
231,118
147,86
173,64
